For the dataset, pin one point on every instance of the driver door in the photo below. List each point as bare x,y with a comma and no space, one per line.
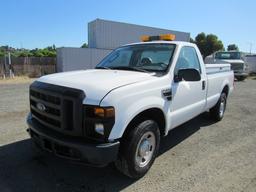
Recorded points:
188,98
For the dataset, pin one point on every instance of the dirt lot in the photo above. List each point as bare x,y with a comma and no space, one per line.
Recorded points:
198,156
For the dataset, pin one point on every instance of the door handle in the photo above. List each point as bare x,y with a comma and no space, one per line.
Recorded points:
167,93
203,85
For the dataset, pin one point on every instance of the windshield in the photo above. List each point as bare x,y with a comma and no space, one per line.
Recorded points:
144,57
228,55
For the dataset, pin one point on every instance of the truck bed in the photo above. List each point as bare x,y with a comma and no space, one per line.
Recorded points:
215,68
218,75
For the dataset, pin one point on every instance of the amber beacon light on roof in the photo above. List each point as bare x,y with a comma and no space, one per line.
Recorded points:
163,37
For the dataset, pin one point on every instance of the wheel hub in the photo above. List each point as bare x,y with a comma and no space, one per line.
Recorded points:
145,149
222,107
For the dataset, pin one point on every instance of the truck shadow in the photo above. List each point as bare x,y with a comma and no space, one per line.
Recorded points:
179,134
24,168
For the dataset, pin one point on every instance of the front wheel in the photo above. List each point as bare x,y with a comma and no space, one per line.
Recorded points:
217,112
139,149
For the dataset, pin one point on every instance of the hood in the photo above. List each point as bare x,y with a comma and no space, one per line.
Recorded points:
96,83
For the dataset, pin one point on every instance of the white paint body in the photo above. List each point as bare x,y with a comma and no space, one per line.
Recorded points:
131,92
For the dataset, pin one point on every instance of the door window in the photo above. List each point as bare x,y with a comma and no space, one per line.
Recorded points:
187,59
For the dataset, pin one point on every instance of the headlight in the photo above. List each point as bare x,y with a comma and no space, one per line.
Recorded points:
98,122
99,128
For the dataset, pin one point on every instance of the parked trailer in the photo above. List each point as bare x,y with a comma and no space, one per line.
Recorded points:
250,60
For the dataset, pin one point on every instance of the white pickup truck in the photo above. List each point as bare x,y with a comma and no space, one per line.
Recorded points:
237,63
118,111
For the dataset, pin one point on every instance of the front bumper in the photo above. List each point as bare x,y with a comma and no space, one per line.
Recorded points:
240,74
72,148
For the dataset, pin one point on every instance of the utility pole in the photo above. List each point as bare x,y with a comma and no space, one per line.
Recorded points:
250,48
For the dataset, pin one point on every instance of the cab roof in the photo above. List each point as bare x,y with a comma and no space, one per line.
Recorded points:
183,43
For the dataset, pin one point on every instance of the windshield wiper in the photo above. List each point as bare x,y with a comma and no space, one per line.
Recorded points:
130,68
102,67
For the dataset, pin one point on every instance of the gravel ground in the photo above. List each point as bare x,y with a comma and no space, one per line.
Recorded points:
200,155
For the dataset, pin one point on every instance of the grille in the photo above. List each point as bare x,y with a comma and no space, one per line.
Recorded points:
56,107
44,97
51,115
237,66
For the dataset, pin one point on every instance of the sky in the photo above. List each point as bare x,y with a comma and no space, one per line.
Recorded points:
40,23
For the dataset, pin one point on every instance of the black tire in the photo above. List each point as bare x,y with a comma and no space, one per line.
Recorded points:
217,112
240,78
127,162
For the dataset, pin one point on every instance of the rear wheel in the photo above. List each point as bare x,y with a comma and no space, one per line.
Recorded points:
139,149
217,112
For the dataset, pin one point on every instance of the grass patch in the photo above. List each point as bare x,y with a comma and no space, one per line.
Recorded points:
17,80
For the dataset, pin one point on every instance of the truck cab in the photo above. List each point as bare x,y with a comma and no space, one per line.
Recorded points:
119,111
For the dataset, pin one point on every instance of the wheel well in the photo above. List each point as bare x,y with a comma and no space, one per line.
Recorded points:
154,114
225,90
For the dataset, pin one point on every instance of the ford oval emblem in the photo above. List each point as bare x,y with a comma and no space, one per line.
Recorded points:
40,107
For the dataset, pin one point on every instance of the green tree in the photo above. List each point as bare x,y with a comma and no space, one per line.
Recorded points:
51,48
200,41
84,45
49,51
4,48
233,47
208,44
46,52
37,52
191,40
24,53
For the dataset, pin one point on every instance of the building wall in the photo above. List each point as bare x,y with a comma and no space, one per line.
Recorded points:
69,59
103,34
251,62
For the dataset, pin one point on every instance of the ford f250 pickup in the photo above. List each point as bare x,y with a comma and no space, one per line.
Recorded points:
119,111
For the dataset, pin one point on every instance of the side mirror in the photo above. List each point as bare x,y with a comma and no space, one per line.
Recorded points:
187,75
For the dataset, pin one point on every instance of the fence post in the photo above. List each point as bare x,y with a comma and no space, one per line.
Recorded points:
11,70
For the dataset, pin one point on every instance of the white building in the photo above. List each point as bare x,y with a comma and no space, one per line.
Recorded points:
103,37
250,60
